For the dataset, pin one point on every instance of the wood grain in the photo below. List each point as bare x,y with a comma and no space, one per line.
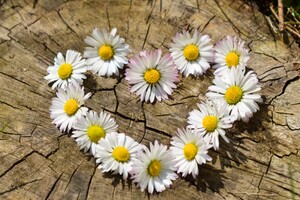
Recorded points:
38,162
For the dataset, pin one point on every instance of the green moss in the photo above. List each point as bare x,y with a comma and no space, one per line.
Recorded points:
3,127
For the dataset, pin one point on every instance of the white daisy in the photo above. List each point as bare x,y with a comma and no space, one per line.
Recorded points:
65,71
191,54
154,168
107,53
152,77
67,107
90,129
238,91
115,153
189,149
230,52
211,119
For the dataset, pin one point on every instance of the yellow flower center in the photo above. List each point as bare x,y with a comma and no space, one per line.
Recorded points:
232,59
152,76
190,151
191,52
233,95
106,52
71,107
121,154
154,168
95,133
65,71
210,123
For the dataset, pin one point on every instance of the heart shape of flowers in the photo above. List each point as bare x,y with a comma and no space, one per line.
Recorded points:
153,76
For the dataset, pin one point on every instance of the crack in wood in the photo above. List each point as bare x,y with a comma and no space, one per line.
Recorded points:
45,46
117,100
9,105
149,16
126,117
157,130
67,25
207,23
146,36
16,163
286,155
19,186
198,6
286,84
35,2
130,4
14,78
107,16
264,74
29,50
264,173
230,21
145,127
55,150
90,182
53,187
270,56
114,193
287,177
70,179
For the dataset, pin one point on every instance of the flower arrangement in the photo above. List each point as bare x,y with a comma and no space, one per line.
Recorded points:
152,76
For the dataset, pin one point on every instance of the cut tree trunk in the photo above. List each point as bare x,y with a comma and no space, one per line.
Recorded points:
38,162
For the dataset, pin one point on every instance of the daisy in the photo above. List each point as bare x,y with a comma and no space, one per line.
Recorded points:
230,52
107,53
115,153
65,71
67,107
154,169
191,53
90,129
189,149
239,91
152,77
211,119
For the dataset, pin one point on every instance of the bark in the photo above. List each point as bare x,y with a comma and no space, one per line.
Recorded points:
38,162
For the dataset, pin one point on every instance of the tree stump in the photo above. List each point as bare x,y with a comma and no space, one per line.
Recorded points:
38,162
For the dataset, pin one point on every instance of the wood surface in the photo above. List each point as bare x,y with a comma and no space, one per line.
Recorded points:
38,162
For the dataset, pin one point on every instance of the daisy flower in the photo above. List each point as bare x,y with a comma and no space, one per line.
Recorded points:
191,53
239,91
67,107
189,149
65,71
230,52
211,119
90,129
115,153
152,77
154,169
107,53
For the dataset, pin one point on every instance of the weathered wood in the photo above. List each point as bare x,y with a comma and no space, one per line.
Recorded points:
38,162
